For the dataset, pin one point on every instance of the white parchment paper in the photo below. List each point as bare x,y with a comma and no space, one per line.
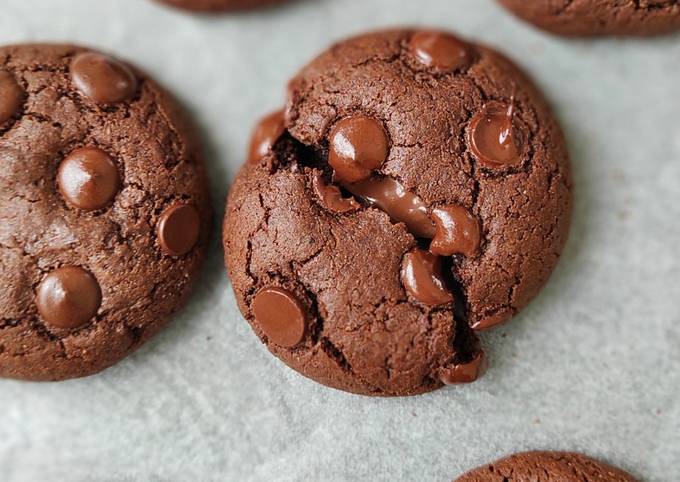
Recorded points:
592,365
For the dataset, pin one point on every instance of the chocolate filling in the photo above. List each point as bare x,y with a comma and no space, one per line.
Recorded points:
388,195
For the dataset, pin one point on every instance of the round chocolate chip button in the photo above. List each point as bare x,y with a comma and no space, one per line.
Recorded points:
358,145
88,178
440,50
267,132
101,78
492,135
11,96
280,315
456,231
68,297
178,229
421,275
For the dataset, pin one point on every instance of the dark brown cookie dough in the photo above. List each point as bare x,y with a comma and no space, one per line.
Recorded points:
415,190
103,210
219,5
599,17
547,467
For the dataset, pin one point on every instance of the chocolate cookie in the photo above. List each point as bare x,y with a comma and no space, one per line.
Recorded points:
219,5
415,190
547,467
599,17
103,210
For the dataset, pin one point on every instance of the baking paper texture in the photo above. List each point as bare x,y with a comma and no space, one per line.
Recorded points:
592,365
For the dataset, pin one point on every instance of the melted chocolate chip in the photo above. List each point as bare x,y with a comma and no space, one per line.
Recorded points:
397,201
280,315
11,96
88,178
178,229
330,196
441,50
492,135
358,145
68,297
493,320
101,78
421,275
457,231
465,372
268,131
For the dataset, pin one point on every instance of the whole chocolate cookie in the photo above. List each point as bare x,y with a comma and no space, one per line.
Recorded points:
547,467
415,190
599,17
103,210
219,5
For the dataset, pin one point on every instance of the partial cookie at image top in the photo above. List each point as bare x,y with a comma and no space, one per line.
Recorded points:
415,190
103,207
599,17
219,5
547,467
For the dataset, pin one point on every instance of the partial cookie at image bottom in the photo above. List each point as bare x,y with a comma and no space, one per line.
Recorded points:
547,467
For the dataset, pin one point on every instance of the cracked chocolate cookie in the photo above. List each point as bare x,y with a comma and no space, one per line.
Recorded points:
219,5
599,17
103,210
547,467
415,190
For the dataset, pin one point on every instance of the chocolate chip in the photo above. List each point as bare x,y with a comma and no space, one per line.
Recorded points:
358,145
331,197
421,275
101,78
68,297
440,50
11,96
465,372
456,231
495,319
178,229
397,201
267,132
280,315
88,178
492,135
